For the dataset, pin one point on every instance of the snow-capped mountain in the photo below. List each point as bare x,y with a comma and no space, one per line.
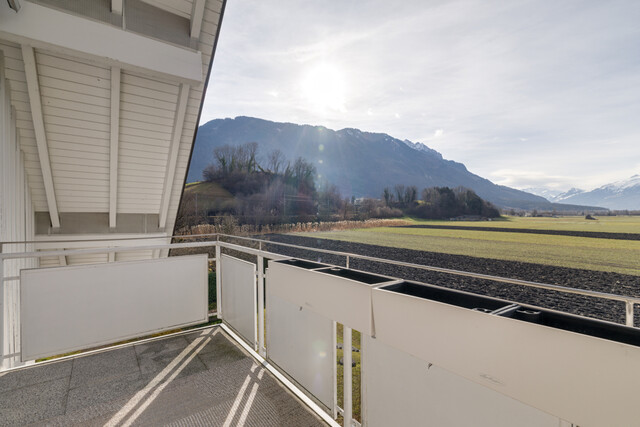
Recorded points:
421,147
567,194
617,195
547,193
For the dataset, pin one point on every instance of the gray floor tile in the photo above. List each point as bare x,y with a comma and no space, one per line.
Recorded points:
221,352
33,403
104,367
34,375
154,357
203,393
95,393
209,347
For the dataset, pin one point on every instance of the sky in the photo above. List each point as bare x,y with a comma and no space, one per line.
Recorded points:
524,93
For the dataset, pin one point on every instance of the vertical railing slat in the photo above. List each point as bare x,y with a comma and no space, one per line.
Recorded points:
347,375
218,281
261,349
629,313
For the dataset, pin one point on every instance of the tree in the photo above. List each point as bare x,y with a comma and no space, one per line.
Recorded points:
302,176
410,195
388,196
399,189
329,200
275,161
223,155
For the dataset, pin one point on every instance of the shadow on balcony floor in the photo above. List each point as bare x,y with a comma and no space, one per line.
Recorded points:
202,378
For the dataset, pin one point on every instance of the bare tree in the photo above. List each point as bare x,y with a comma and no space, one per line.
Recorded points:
224,156
410,194
388,196
275,161
399,189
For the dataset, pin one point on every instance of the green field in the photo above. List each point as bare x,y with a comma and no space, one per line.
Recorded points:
621,256
604,224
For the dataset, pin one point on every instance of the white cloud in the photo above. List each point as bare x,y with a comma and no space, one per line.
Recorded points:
546,89
526,179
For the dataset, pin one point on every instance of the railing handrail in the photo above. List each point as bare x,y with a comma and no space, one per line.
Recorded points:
105,239
347,255
584,292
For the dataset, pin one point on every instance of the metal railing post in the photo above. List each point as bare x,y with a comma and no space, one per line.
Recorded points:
261,349
347,262
347,377
629,313
334,340
218,280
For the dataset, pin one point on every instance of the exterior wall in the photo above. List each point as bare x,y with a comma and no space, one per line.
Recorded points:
14,75
210,22
16,216
16,207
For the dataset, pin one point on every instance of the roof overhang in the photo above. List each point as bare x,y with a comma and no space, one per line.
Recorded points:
60,32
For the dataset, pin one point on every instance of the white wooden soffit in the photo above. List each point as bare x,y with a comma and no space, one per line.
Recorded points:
114,141
178,125
33,87
116,7
56,31
196,18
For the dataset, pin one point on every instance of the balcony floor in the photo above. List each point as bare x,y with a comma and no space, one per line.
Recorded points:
201,378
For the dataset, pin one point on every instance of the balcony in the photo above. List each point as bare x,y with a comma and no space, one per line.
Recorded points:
201,377
426,352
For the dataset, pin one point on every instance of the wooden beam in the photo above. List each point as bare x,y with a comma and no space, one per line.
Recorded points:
197,14
33,87
178,124
114,142
116,7
59,32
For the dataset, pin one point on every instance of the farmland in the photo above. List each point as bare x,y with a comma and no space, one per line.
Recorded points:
597,264
590,253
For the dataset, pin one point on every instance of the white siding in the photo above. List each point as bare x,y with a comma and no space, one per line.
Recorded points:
147,109
75,99
178,7
16,80
50,261
210,21
75,95
87,259
133,255
16,212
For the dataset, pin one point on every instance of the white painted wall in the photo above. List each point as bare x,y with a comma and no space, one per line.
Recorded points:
16,216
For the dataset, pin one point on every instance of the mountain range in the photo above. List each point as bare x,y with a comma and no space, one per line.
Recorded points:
360,164
618,195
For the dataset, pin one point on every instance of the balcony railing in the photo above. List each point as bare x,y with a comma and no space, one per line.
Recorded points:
285,312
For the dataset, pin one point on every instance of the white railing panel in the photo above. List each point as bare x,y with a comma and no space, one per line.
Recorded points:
71,308
300,342
238,282
549,368
403,390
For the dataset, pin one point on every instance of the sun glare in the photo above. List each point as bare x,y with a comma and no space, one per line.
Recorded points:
324,87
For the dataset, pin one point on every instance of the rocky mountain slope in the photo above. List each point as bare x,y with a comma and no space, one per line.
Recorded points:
360,163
